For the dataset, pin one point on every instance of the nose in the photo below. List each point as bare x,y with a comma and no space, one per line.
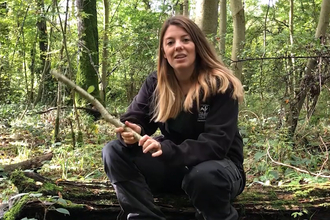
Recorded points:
178,45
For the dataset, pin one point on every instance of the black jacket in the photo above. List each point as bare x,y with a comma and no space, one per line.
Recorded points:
207,133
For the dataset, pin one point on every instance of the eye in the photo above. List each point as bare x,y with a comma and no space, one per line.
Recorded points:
169,43
186,40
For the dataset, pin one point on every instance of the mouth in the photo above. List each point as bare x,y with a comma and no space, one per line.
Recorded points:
180,56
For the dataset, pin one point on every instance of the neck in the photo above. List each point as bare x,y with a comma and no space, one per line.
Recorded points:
184,78
185,86
184,75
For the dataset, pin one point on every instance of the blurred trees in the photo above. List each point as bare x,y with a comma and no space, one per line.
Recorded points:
284,64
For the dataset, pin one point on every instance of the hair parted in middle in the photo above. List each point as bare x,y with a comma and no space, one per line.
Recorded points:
209,71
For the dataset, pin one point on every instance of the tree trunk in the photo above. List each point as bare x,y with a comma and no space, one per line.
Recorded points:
207,16
105,53
32,69
186,8
87,75
309,77
223,28
4,63
46,85
147,4
237,10
178,8
292,79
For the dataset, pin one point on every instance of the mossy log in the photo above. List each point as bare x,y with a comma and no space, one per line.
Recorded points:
97,200
33,163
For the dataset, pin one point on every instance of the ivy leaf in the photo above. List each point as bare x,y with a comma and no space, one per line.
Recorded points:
63,211
90,89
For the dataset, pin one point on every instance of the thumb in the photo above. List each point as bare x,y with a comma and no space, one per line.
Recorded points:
133,126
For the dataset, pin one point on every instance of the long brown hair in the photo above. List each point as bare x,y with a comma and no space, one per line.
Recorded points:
209,71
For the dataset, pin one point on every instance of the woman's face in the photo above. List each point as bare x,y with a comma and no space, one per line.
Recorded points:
179,50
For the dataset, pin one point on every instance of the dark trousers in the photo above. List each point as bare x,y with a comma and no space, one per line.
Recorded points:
210,185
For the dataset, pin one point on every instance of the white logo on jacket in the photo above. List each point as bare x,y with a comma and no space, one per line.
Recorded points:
203,112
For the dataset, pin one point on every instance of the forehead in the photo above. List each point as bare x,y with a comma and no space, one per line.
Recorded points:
174,31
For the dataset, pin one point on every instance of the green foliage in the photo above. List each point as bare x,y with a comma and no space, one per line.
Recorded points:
271,85
299,214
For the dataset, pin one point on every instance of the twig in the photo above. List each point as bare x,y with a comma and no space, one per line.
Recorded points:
327,87
290,166
105,114
278,58
327,156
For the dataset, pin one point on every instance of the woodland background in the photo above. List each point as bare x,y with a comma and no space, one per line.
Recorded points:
279,49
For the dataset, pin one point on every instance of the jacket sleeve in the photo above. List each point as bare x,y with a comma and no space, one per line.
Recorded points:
139,111
216,140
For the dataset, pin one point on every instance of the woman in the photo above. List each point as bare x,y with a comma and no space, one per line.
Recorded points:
193,99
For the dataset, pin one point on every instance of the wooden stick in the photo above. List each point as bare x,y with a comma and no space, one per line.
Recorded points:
105,114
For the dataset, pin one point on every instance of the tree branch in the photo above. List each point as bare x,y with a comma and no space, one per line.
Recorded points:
105,114
292,167
277,58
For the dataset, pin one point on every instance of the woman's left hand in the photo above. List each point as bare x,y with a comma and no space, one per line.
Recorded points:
150,145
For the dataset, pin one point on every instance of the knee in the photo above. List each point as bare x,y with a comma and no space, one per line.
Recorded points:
111,151
205,176
108,148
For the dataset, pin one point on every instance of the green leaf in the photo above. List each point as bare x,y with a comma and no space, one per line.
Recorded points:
63,211
90,89
259,155
62,201
274,174
245,140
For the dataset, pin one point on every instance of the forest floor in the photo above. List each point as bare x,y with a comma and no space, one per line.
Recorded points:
22,140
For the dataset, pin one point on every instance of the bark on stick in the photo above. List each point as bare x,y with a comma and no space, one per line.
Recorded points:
105,114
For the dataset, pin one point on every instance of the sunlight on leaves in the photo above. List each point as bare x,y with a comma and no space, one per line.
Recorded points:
90,89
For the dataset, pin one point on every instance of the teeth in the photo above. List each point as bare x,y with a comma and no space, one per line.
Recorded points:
181,56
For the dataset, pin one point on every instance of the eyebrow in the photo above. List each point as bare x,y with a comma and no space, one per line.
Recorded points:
170,38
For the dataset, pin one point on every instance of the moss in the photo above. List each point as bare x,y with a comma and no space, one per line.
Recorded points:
23,183
49,188
16,209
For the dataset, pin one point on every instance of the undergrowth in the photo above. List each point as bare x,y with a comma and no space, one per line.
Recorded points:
264,139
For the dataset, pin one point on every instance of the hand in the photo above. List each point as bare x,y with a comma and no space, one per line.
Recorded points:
150,145
128,135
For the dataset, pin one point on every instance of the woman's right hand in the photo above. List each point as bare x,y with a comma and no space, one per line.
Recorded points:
128,135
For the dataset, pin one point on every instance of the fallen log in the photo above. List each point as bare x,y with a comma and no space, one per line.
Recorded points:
33,163
97,200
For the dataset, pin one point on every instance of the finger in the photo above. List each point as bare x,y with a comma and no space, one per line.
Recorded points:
152,147
133,126
127,137
127,134
157,153
119,130
143,140
130,140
